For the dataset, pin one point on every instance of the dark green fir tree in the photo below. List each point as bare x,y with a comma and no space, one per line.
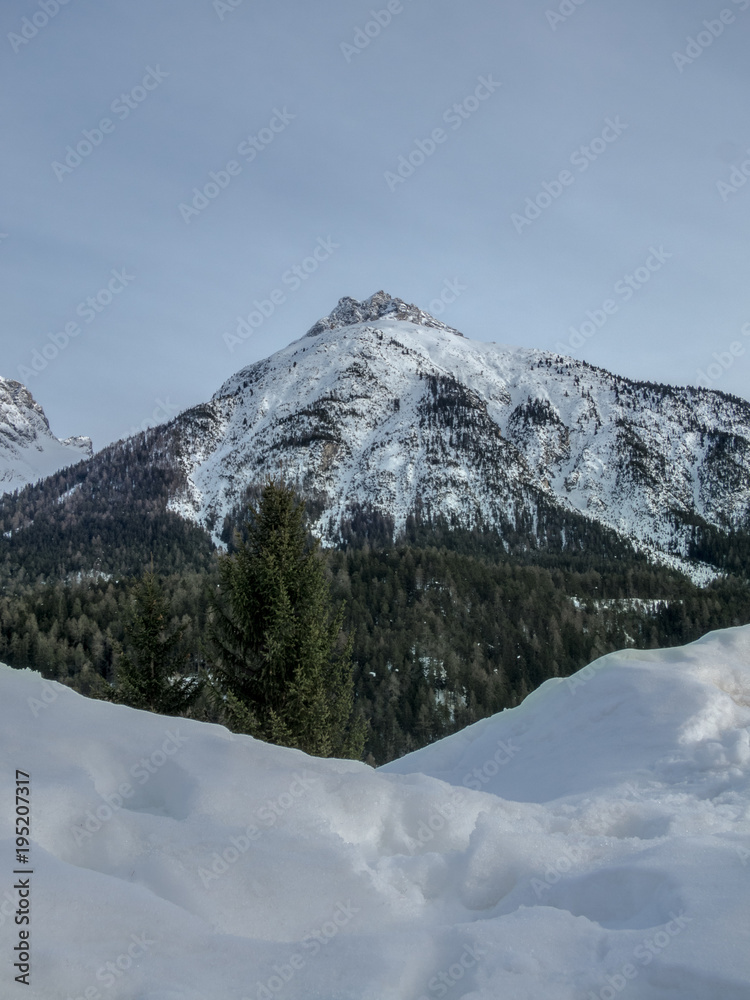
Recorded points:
148,673
278,657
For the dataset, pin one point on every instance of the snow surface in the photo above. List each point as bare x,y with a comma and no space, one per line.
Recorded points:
594,842
28,449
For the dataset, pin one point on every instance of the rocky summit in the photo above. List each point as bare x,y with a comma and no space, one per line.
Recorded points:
28,449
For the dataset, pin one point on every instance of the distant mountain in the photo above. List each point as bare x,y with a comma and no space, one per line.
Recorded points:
381,413
28,449
382,407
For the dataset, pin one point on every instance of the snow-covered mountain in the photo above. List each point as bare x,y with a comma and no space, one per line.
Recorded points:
381,406
28,449
381,409
592,843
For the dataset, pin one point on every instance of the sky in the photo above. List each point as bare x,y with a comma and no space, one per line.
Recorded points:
567,175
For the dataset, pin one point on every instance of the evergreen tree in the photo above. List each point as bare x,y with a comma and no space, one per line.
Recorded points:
148,674
276,640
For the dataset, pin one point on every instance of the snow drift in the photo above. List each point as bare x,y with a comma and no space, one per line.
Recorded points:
594,842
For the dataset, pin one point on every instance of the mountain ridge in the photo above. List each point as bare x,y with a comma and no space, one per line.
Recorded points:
28,449
391,413
380,410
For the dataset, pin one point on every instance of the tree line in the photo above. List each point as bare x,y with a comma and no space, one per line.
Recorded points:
371,649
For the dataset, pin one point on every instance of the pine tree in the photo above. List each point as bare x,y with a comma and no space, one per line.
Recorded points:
148,673
276,640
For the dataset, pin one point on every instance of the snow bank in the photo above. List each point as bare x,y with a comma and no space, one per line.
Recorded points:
594,842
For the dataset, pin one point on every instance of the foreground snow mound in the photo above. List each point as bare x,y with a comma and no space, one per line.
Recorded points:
594,842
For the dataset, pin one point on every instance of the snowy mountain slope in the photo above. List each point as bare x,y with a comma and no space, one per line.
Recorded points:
382,406
593,842
380,409
28,449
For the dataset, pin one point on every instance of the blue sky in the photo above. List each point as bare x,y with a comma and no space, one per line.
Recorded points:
571,177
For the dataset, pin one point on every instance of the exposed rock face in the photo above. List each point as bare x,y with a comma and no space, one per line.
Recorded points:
28,449
379,306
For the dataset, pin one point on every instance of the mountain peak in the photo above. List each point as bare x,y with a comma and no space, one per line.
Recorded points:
350,311
28,449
